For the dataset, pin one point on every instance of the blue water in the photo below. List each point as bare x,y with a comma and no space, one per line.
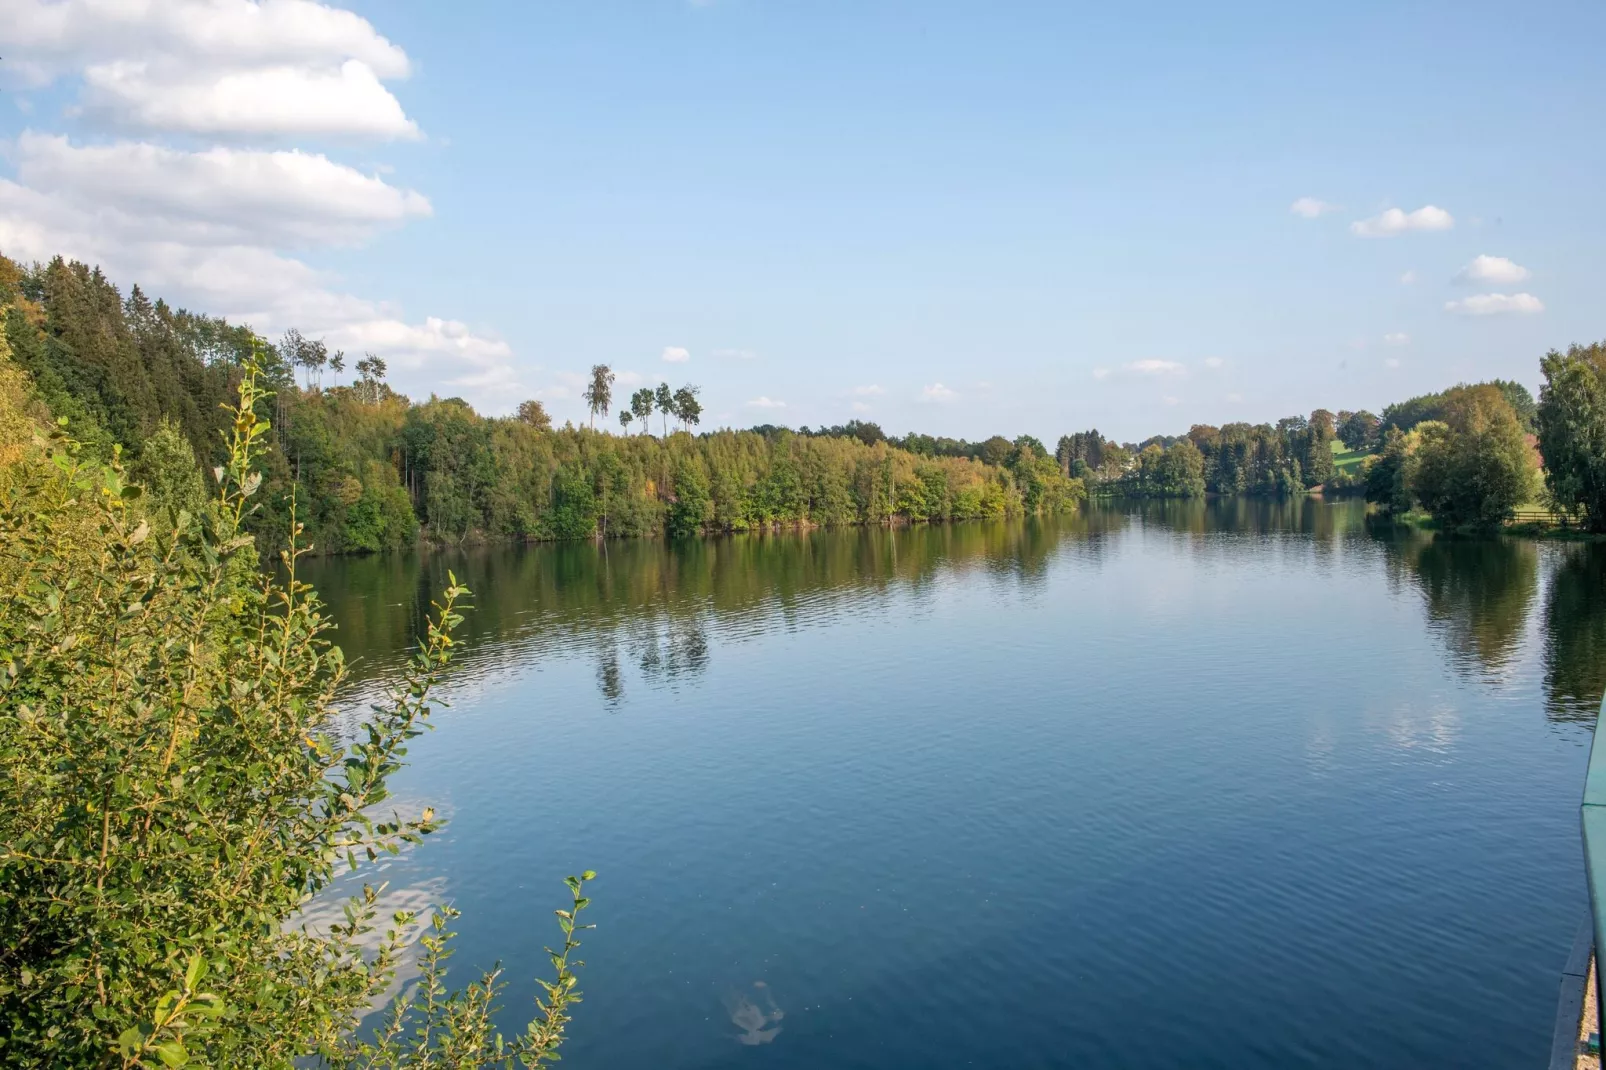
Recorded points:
1227,785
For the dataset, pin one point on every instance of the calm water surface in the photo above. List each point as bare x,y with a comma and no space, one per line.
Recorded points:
1227,785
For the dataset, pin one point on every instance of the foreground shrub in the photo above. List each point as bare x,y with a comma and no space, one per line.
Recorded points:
172,796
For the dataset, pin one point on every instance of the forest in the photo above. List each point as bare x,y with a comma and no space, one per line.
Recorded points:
366,469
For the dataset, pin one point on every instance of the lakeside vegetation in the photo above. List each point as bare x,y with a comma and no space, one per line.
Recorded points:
370,469
174,794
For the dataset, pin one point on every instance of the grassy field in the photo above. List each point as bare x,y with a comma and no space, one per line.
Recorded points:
1348,460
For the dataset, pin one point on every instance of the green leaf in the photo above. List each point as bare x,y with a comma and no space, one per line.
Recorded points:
192,974
172,1053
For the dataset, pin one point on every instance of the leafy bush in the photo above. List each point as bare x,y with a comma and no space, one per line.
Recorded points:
172,796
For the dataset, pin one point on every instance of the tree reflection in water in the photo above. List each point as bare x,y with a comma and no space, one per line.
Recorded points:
1575,634
652,610
1477,591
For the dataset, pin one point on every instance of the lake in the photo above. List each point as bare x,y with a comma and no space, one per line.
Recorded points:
1226,784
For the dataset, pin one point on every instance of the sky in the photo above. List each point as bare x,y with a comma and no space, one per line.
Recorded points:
958,218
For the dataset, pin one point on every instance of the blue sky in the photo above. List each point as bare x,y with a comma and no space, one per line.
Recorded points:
959,218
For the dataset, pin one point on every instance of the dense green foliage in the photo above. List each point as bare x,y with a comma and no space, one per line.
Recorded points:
368,470
1472,468
1406,414
1255,459
173,796
1475,466
1389,477
1359,430
1572,430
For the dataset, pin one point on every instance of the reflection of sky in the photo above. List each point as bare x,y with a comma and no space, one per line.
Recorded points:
1178,770
419,899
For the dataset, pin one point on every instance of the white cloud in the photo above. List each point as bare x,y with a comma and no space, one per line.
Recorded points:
219,196
766,403
212,66
1101,373
676,354
629,378
736,354
1391,362
210,228
1169,400
1491,269
1408,279
867,391
1213,362
859,406
1235,397
1397,338
1310,208
1157,367
1495,305
58,35
1394,221
346,102
938,392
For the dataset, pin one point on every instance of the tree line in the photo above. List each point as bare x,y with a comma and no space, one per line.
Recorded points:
369,469
1471,455
365,468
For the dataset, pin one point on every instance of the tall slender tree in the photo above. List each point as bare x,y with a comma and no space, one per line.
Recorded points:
642,403
665,398
599,394
687,407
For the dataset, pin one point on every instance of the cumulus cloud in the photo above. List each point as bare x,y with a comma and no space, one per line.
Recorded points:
203,229
1169,400
859,406
1496,270
1213,362
871,390
348,101
938,392
1391,362
676,354
212,66
1397,338
1101,373
766,403
1310,208
211,227
54,36
1495,305
1395,221
1408,279
1156,367
218,196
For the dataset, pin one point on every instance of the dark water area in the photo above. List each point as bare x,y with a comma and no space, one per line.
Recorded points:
1226,784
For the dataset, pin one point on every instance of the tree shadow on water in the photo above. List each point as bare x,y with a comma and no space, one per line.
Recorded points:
1575,635
1477,591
